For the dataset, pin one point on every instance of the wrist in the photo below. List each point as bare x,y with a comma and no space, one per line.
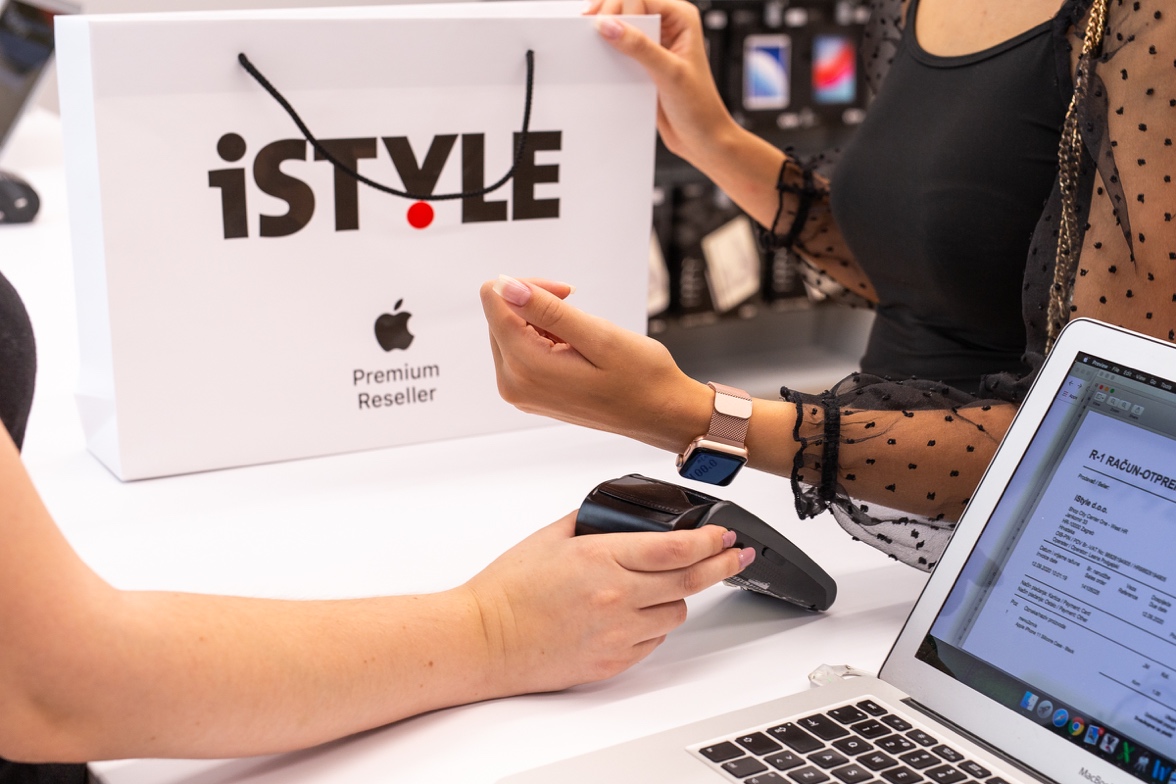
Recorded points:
770,441
487,672
718,455
687,415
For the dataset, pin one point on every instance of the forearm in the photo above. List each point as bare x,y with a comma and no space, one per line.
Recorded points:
745,167
924,462
600,376
687,413
919,451
88,672
159,674
771,446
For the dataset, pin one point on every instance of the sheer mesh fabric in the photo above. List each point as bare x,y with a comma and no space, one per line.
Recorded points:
896,461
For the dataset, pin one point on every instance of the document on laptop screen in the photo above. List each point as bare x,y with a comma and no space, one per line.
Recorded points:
1064,611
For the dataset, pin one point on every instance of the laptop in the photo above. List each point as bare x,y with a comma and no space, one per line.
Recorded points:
1043,647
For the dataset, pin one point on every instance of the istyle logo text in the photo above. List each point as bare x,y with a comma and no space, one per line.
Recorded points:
418,177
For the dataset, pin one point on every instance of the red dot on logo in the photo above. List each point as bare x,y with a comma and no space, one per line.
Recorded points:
420,215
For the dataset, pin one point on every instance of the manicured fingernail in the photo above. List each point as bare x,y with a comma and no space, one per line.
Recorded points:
610,28
513,291
728,539
746,556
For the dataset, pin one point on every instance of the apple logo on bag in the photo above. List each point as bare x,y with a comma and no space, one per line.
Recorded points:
392,329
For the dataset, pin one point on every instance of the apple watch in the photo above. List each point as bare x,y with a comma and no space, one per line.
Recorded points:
716,457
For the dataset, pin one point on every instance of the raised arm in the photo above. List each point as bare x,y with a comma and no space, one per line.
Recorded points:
88,672
774,190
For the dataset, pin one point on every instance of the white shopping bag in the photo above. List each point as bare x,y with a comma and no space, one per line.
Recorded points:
241,300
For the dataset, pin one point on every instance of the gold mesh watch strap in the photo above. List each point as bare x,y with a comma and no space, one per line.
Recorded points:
731,412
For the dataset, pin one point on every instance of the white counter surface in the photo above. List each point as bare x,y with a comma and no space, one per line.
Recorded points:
414,519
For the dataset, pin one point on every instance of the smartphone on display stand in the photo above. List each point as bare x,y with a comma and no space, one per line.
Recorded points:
767,72
835,79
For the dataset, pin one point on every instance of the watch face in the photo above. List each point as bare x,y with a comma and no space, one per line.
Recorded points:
716,468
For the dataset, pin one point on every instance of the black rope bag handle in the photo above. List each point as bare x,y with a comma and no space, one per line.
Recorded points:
326,154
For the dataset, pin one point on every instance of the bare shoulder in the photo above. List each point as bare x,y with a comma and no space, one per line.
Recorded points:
950,29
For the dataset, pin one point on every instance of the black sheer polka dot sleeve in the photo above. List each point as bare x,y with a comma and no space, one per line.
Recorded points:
1122,264
805,227
897,461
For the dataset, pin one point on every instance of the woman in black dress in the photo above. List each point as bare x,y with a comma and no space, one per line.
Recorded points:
1014,171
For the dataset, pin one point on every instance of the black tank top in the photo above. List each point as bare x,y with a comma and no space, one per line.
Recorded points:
937,196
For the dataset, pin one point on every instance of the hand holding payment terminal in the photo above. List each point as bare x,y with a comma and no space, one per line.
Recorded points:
638,503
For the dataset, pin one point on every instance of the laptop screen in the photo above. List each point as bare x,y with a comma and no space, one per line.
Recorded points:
26,44
1064,610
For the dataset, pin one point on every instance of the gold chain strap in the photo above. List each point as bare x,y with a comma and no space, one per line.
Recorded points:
1069,163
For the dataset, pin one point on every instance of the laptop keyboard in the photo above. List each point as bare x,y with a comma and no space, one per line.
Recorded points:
859,742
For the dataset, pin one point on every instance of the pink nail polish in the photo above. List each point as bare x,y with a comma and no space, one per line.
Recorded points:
728,539
746,556
610,28
513,291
